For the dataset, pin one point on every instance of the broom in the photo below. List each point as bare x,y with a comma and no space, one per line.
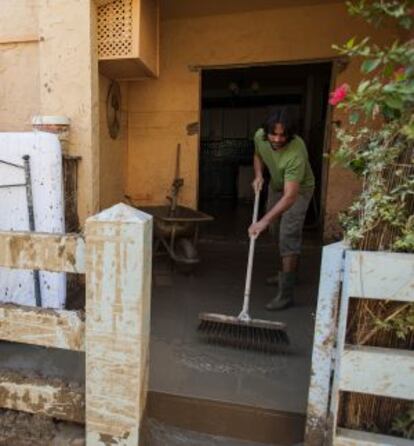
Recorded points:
242,331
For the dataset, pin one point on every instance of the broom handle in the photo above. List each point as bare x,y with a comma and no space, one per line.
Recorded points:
244,315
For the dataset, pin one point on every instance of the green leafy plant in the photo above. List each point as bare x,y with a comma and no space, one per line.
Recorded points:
377,144
401,322
380,10
403,424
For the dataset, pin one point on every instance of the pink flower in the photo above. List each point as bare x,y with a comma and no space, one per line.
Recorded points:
339,94
399,74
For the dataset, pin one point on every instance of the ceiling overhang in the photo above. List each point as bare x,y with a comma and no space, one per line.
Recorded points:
176,9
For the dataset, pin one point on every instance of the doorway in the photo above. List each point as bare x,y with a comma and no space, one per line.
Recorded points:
234,104
209,379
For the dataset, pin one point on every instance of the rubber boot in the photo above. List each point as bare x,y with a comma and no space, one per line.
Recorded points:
284,296
272,280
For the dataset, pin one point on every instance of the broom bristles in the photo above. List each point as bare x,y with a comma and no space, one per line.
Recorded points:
265,336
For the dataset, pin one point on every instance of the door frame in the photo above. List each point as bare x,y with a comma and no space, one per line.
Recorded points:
338,64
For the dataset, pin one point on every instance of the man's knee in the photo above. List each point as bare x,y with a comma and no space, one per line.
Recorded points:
290,245
290,237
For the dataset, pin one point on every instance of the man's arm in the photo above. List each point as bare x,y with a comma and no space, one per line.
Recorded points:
290,194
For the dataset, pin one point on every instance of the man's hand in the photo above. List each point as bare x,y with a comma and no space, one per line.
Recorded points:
257,184
289,197
257,228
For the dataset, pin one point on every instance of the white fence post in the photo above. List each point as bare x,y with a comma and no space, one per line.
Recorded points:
118,291
324,343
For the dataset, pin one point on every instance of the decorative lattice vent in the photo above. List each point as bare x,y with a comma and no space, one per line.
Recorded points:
115,29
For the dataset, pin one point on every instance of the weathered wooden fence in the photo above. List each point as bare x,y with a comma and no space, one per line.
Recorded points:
115,255
338,367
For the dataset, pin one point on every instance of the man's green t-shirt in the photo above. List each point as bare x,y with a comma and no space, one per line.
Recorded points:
288,164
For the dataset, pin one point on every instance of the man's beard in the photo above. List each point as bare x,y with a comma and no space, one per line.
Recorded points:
277,145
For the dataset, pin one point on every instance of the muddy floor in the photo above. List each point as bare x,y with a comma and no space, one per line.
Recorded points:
182,364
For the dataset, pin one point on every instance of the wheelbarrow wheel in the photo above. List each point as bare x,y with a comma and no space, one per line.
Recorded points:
186,250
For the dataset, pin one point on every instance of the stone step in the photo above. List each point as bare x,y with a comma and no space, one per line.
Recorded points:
160,434
226,420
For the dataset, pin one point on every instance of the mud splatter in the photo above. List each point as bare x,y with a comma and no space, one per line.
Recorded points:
220,360
22,429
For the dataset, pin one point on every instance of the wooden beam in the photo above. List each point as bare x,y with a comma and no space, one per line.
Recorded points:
50,397
39,326
332,420
378,275
47,252
118,295
347,437
378,371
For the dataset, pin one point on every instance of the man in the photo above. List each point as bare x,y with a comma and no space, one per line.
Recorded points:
290,191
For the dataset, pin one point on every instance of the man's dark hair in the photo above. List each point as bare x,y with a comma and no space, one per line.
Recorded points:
282,117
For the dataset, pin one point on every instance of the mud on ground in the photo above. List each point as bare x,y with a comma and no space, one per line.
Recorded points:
22,429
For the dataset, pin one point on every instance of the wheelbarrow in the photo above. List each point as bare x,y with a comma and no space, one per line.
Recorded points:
176,233
176,227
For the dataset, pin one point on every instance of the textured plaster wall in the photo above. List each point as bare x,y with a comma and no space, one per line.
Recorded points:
19,64
160,110
343,185
112,152
69,85
149,34
55,75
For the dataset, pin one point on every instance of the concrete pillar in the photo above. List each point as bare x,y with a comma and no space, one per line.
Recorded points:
68,73
118,289
58,125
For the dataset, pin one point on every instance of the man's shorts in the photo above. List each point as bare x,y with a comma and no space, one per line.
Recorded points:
291,222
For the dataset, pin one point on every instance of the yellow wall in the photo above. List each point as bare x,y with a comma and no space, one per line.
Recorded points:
112,151
69,85
149,34
160,110
54,74
19,64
